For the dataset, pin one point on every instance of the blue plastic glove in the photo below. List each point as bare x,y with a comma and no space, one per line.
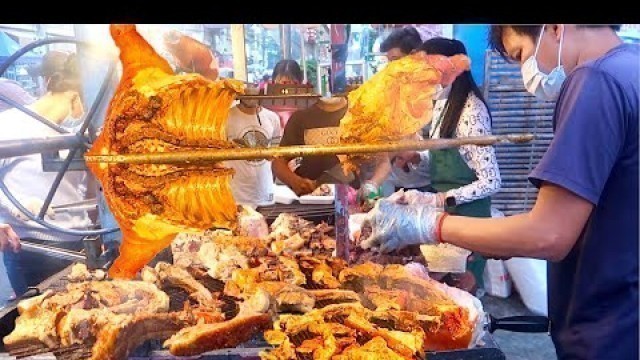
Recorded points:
395,226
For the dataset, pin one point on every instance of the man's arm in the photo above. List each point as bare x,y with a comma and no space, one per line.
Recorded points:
382,170
590,132
589,136
548,231
293,134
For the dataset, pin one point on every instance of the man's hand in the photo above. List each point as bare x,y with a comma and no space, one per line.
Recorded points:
303,186
365,195
395,226
8,238
406,159
415,197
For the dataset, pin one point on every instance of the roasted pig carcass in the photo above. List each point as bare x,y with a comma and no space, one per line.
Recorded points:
357,277
255,316
291,234
397,101
217,252
71,316
80,273
119,337
203,337
288,297
375,348
222,259
185,246
381,299
398,277
154,111
180,285
251,223
290,271
451,318
337,330
325,297
277,269
320,275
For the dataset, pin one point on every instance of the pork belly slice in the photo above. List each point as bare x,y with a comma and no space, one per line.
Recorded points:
117,340
201,338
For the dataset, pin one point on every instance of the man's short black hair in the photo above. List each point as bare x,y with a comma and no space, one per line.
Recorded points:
532,31
406,39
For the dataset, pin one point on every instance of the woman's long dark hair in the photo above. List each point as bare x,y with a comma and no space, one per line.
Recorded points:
461,87
289,68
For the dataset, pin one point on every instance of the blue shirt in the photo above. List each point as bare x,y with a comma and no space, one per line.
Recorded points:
593,292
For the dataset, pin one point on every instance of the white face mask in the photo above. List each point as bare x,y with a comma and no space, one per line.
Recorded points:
543,86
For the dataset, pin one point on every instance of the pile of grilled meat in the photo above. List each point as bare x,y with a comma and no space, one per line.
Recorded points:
307,303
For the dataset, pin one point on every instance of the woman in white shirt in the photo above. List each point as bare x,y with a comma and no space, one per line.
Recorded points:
24,178
464,177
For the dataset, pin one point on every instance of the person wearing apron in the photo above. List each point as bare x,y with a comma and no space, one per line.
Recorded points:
449,171
463,178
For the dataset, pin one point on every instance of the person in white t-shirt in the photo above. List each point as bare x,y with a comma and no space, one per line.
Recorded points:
25,179
251,125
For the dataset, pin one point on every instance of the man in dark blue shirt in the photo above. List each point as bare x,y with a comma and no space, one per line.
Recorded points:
585,220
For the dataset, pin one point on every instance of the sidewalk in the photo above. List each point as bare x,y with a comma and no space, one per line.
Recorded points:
518,346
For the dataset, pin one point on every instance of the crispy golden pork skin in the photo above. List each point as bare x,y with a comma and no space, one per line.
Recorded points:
153,110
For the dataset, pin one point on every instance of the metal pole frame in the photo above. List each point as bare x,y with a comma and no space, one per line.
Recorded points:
34,115
87,121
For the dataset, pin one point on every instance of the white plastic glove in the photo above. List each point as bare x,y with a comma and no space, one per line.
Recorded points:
413,197
395,226
367,191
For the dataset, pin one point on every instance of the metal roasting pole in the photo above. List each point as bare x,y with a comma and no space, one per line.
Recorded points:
53,251
22,147
217,155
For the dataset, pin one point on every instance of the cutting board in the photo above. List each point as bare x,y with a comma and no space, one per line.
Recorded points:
284,195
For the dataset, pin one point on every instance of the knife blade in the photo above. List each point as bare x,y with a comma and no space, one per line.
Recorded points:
335,175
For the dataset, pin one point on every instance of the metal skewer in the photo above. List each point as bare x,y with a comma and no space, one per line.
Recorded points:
53,251
217,155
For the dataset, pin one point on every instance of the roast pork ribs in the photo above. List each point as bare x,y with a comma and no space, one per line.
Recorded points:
153,110
76,315
256,315
337,330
